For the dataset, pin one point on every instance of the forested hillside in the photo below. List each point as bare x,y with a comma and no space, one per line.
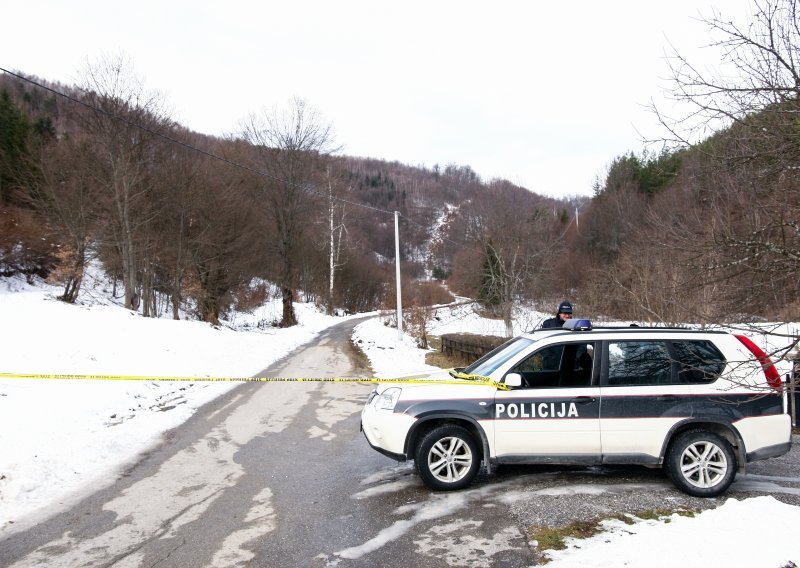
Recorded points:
705,229
98,171
710,231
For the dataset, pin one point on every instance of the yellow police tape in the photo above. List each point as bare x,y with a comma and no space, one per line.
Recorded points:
459,379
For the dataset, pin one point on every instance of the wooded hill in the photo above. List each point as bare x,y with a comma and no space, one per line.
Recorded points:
708,231
176,215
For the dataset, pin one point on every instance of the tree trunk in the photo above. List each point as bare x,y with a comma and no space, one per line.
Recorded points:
176,300
209,310
126,246
508,316
73,284
289,319
177,281
147,291
71,289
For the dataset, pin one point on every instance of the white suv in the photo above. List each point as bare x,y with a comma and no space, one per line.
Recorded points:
701,404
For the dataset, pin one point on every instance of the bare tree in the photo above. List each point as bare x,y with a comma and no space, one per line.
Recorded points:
336,232
122,113
740,118
290,148
752,164
222,241
758,70
181,186
64,190
520,243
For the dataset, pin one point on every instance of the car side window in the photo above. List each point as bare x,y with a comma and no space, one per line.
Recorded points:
544,360
700,361
561,365
640,363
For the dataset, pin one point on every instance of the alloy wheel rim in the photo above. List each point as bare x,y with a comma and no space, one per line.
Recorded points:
703,464
450,459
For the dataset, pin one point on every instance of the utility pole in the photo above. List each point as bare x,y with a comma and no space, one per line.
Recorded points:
332,264
397,275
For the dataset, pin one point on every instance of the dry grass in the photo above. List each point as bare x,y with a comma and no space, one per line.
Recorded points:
554,538
360,358
439,359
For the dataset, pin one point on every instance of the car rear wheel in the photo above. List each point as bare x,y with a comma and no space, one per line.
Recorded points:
701,463
448,458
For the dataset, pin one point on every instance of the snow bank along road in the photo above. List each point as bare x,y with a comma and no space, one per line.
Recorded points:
279,475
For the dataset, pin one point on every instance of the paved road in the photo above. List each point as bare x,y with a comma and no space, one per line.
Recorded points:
279,475
276,474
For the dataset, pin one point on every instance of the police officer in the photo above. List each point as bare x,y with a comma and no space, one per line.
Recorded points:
562,315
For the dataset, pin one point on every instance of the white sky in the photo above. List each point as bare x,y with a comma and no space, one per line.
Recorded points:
542,94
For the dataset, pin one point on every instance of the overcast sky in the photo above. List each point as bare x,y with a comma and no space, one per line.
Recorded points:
542,94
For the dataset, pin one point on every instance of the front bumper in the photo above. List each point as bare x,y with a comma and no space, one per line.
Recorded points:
387,453
386,431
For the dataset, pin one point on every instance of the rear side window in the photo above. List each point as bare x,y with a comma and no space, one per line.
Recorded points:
639,363
700,361
663,362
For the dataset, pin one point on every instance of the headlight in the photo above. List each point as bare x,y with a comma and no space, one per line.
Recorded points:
388,398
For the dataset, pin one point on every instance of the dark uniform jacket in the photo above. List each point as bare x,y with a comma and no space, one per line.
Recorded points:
553,322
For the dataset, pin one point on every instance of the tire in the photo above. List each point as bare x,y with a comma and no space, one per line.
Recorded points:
701,463
448,458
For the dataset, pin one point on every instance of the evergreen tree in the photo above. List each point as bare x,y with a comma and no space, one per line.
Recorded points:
14,130
490,292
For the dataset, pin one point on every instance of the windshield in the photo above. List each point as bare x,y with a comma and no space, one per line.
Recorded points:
495,358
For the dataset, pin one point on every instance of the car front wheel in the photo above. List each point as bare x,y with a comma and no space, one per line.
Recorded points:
448,458
701,463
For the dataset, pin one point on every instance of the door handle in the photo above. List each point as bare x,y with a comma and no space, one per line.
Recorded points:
667,398
583,399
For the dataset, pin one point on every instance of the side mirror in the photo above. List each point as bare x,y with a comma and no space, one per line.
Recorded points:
513,380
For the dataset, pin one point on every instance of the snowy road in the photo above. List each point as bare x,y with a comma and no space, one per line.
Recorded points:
275,474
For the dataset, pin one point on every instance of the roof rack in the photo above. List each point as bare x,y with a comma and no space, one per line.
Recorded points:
583,324
635,326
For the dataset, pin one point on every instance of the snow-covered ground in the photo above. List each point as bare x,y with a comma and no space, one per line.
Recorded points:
58,438
751,533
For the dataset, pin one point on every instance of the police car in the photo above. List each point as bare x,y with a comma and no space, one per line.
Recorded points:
700,404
